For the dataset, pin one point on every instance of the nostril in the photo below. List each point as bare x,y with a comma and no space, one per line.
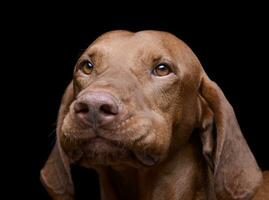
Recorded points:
84,110
108,109
81,108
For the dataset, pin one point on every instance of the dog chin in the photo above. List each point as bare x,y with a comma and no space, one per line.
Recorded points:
100,146
99,151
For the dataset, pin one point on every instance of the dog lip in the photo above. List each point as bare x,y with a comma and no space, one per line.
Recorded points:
146,159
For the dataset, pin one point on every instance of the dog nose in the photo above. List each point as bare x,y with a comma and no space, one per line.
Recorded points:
96,109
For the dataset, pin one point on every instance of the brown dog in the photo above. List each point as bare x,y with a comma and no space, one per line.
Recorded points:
143,113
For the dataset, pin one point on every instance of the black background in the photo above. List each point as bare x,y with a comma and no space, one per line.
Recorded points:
44,42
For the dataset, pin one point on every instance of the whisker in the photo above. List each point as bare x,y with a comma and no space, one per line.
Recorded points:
52,138
52,132
52,142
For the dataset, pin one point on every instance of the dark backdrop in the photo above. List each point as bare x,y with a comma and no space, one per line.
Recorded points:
231,43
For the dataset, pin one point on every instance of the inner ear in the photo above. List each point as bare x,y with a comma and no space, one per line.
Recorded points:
207,132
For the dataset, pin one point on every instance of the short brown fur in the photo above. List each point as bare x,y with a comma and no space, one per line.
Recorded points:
176,137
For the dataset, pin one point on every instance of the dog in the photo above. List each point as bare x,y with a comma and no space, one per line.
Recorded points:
143,113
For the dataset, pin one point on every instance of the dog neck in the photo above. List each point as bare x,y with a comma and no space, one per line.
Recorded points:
181,176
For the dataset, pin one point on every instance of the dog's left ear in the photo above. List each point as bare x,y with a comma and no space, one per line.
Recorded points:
235,172
55,175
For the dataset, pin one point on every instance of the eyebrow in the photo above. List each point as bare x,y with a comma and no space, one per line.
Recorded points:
92,55
161,58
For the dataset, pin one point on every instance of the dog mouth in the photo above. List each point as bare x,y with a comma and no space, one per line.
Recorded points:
100,150
102,145
126,142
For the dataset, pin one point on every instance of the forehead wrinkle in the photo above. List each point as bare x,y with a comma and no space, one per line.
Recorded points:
150,57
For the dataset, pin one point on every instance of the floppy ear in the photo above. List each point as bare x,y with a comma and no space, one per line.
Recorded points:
235,172
55,175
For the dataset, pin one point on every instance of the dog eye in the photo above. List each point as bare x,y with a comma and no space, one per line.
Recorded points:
161,70
87,67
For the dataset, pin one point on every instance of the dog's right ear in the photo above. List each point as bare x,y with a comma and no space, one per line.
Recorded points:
55,175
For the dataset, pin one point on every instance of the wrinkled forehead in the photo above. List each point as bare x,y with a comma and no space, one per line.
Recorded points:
143,44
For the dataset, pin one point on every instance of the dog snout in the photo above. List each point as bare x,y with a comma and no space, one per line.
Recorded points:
97,109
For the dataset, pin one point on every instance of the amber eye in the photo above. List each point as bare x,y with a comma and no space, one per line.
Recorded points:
161,70
87,67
